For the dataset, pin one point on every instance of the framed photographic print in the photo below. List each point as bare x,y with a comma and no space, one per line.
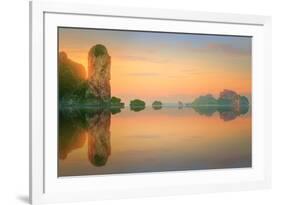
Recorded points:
129,102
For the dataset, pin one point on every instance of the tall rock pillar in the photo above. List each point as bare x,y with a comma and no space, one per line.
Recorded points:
99,72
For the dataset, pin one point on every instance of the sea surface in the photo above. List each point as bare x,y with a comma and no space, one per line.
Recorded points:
95,142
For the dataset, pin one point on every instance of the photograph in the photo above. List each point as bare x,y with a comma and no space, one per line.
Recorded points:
133,101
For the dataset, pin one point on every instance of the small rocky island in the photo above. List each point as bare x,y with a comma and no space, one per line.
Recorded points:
137,105
157,105
229,105
227,98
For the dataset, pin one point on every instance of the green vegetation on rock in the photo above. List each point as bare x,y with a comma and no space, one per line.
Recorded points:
137,102
98,50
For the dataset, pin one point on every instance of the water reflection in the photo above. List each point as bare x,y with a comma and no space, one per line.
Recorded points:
85,136
71,125
226,113
204,110
137,108
99,137
157,107
80,125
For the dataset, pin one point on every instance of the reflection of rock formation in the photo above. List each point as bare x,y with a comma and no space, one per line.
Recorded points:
99,72
99,138
225,113
227,116
228,113
137,108
71,133
180,105
205,110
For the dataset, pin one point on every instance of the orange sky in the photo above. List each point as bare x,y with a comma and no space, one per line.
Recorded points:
164,66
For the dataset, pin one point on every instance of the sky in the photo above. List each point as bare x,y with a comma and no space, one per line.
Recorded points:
170,67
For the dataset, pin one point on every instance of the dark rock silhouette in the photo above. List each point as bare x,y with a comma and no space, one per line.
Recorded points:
71,75
99,63
99,148
75,123
72,131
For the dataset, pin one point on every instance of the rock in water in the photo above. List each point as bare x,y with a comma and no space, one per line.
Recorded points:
99,72
232,99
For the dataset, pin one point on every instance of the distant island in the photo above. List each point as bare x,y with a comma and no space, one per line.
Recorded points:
227,98
137,105
157,105
229,105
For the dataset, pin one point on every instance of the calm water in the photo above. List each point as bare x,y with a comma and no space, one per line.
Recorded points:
168,139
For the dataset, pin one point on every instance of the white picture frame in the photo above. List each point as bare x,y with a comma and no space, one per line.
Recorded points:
46,187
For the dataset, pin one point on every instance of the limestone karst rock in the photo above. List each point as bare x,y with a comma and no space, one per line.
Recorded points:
99,63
